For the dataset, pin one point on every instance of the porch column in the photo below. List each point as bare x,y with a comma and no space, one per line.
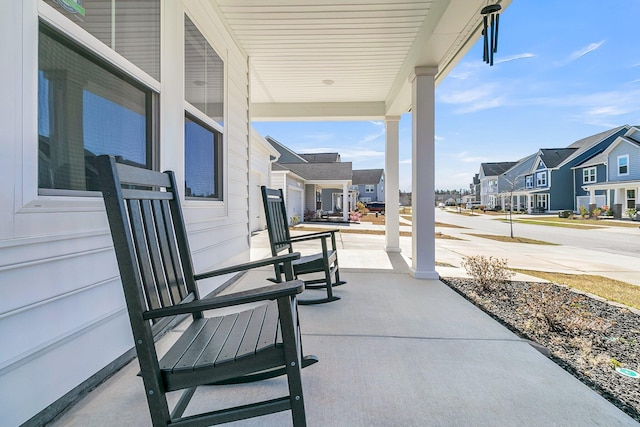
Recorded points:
528,203
391,185
345,202
423,177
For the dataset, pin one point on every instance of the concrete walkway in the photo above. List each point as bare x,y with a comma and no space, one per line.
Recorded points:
394,351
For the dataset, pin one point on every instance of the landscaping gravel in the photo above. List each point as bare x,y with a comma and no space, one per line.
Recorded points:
585,335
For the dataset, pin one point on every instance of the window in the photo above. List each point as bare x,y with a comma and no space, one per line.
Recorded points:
204,118
204,74
529,181
369,188
623,165
131,28
631,199
202,155
588,175
86,108
541,179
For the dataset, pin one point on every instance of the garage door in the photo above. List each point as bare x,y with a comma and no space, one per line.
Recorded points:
295,203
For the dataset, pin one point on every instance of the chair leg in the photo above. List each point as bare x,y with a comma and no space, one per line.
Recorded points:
293,360
338,282
327,285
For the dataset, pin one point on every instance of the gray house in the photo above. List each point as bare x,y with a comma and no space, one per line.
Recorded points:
612,178
312,182
369,183
547,180
491,176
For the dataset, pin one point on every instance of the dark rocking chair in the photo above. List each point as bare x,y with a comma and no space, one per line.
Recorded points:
254,342
325,262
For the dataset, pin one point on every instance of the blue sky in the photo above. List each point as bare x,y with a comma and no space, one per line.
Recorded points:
563,71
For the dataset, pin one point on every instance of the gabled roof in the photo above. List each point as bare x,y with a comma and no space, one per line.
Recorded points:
321,157
337,171
598,159
496,168
366,176
584,144
553,157
286,154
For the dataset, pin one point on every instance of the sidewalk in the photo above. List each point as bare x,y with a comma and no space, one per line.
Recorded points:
519,255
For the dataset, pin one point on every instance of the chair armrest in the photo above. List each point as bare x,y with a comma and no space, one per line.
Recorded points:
330,231
248,266
264,293
306,237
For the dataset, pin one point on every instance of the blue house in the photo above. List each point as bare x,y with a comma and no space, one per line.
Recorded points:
369,183
548,180
612,178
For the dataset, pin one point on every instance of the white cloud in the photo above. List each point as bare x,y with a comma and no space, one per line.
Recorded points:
582,52
514,57
371,137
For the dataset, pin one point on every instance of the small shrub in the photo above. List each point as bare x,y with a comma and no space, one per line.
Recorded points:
631,213
596,213
295,220
584,212
488,272
554,311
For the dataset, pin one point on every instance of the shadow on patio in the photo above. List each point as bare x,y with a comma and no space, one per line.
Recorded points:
394,351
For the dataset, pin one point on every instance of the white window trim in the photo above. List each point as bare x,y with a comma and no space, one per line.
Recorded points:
528,181
593,177
624,156
541,179
188,107
28,200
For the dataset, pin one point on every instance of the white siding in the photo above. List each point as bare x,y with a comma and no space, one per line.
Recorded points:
260,168
62,315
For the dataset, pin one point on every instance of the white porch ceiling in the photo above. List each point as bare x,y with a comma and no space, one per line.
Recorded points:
346,59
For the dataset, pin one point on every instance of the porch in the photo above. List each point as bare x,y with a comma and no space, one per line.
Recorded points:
393,351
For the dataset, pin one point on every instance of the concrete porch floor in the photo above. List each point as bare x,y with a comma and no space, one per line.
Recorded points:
394,351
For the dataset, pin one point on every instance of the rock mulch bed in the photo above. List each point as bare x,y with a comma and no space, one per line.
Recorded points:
586,336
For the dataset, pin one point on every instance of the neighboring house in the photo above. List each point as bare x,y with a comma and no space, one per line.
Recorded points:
612,178
545,181
262,154
490,177
369,183
474,188
312,182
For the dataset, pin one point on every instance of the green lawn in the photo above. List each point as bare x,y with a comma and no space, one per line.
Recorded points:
613,290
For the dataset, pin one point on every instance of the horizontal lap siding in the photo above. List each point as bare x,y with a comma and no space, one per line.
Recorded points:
62,312
622,149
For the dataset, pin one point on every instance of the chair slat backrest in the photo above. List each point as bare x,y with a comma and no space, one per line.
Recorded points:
149,235
277,223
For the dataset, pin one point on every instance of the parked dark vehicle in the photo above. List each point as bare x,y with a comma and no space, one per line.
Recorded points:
375,207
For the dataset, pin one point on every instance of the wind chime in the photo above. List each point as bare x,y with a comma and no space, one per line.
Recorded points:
490,31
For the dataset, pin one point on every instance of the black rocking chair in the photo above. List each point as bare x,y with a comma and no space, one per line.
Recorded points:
251,343
324,262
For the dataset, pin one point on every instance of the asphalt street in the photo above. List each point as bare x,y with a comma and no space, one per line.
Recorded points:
612,240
